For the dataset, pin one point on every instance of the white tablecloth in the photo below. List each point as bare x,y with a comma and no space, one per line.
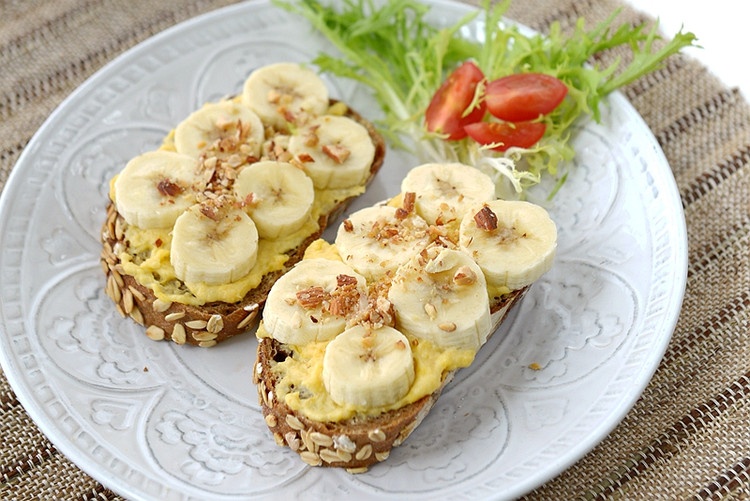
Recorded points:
725,39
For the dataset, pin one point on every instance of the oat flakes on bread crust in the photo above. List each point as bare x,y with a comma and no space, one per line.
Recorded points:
356,443
213,322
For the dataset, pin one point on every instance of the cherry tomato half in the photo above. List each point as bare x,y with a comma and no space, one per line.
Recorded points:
445,112
524,96
522,134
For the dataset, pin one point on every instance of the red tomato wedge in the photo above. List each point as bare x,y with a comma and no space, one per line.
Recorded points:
445,112
522,134
524,96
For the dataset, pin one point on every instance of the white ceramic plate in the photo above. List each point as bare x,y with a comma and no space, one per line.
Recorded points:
159,421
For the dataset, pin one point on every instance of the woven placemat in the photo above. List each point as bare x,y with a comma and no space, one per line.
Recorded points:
686,437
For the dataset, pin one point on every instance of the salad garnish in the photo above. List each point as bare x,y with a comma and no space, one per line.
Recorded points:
504,104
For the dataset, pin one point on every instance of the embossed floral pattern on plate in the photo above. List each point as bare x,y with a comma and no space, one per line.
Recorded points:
159,421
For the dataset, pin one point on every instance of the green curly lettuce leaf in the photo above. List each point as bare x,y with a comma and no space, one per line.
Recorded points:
391,48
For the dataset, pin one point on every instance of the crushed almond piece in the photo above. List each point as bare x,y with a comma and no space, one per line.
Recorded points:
336,152
168,188
305,158
312,296
409,201
431,310
311,139
273,96
286,113
250,200
348,226
486,219
210,211
223,124
407,205
345,297
464,276
447,326
342,280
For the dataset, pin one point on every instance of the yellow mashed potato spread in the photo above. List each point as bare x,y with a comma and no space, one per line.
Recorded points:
148,257
148,260
301,375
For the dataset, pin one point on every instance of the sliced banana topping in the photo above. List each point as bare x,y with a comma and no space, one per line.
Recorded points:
335,151
277,195
311,302
367,367
377,240
441,295
213,243
285,93
225,130
424,302
514,242
155,188
446,191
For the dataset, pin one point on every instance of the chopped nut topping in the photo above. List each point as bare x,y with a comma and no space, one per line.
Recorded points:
464,276
168,188
383,231
273,96
336,152
345,297
223,123
486,219
305,158
431,311
342,280
447,326
312,297
379,310
210,212
215,207
251,200
311,139
407,206
409,200
348,226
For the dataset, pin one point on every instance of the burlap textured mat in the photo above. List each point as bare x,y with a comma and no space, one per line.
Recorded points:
686,437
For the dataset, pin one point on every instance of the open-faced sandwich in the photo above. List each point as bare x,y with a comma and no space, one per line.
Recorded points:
360,337
198,231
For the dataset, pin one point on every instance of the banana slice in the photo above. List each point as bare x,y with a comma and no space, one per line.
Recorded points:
277,195
514,242
220,129
446,191
376,240
368,368
155,188
310,302
441,296
216,245
336,152
285,93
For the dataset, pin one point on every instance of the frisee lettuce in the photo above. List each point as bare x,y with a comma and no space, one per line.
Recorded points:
390,47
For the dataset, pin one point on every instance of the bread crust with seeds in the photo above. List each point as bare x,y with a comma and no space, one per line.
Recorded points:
210,323
355,443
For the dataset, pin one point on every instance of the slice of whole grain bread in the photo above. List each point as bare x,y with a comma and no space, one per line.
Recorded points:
210,323
355,443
